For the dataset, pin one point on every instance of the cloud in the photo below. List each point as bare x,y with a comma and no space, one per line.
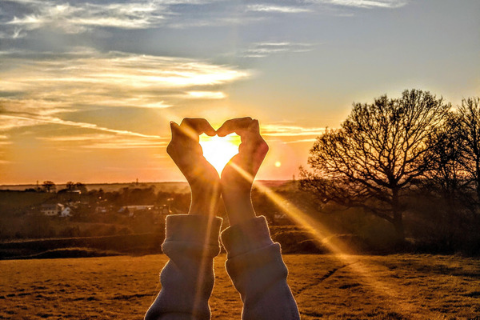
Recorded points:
4,140
47,83
274,130
76,138
289,134
73,17
265,49
106,141
213,20
15,33
206,95
366,4
9,121
301,141
82,16
275,8
37,89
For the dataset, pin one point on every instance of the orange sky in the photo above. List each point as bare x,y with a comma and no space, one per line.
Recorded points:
88,88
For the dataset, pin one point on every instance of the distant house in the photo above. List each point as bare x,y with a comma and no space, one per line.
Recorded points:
67,212
51,209
101,209
70,192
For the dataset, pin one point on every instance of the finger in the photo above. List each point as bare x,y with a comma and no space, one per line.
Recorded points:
175,128
197,126
239,126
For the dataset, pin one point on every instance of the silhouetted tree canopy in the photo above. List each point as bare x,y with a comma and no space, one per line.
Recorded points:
468,121
376,154
446,181
48,186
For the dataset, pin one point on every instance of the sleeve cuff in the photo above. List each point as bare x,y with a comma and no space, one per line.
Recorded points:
199,229
245,237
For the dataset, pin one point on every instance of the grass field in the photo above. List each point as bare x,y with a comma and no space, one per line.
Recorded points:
353,287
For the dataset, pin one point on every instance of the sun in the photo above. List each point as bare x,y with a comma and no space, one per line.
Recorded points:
218,151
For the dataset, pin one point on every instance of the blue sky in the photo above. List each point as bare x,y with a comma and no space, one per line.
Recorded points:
87,88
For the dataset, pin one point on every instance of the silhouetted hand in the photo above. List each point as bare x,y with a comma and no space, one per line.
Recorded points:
238,174
186,152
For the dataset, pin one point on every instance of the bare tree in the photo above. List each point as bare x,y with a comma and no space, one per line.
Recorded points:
447,180
469,126
70,185
376,155
49,186
81,187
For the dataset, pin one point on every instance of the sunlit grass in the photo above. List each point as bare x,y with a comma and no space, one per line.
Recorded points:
444,287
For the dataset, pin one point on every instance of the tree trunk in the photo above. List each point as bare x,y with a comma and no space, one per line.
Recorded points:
399,228
451,206
477,178
397,218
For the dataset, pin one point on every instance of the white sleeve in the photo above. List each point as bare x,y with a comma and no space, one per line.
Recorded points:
255,264
191,243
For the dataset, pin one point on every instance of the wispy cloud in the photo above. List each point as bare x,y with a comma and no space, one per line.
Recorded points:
73,17
275,130
301,141
4,140
38,89
15,33
265,49
367,4
76,138
9,120
290,134
82,16
105,141
214,20
206,95
48,83
276,8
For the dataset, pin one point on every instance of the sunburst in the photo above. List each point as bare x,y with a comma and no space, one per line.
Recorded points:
218,151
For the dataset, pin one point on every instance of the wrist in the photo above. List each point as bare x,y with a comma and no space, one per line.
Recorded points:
204,203
238,208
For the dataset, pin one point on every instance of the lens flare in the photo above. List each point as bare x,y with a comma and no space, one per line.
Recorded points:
218,151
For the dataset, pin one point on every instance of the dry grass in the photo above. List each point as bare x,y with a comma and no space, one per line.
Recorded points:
358,287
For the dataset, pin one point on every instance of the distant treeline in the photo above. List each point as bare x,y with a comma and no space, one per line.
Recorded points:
398,174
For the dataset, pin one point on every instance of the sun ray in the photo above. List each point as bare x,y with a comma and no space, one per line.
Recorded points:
339,249
204,264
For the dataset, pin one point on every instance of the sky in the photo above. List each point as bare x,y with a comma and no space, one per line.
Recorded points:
88,88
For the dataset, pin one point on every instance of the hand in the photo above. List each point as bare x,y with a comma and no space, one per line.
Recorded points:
186,152
239,173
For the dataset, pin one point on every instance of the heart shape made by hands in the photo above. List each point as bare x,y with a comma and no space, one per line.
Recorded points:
219,150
